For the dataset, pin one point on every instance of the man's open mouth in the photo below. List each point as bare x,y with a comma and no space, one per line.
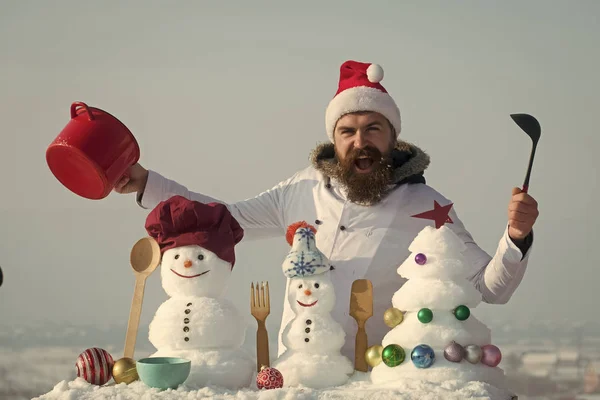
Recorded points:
363,163
307,305
189,276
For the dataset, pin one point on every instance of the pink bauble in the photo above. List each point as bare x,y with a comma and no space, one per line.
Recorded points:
95,366
454,352
269,378
491,355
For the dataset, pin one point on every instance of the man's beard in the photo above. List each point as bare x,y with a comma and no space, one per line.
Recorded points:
364,188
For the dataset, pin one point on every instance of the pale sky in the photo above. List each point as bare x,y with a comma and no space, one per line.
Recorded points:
229,99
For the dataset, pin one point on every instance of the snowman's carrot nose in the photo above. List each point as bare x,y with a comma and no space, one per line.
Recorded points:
307,292
187,264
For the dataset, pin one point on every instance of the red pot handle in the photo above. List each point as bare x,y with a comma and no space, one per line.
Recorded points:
81,104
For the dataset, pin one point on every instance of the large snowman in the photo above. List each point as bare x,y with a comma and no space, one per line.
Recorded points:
197,243
313,339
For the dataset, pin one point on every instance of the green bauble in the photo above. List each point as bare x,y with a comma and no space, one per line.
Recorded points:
425,315
462,313
393,355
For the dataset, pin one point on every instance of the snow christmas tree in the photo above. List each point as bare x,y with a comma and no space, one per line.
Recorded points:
434,337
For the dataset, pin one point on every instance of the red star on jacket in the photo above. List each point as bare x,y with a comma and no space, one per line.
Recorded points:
439,214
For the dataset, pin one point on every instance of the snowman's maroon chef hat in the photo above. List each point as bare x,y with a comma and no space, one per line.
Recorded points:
180,222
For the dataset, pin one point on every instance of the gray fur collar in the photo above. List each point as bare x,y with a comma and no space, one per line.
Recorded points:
409,161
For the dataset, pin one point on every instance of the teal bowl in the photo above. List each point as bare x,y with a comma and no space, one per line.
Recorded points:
163,372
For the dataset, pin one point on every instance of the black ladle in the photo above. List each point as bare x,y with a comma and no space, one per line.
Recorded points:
532,128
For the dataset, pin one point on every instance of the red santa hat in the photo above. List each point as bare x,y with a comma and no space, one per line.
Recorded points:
180,222
360,89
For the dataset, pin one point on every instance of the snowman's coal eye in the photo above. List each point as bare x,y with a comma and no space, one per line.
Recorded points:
176,256
200,257
317,285
300,286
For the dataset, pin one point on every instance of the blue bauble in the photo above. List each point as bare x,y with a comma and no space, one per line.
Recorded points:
422,356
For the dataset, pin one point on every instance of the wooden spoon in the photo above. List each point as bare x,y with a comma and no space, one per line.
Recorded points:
361,309
145,257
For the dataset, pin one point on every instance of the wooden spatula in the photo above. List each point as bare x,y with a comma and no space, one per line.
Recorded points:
361,309
145,257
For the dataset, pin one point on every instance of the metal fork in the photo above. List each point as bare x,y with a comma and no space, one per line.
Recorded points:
260,307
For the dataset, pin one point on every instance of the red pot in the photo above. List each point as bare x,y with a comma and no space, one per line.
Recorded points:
92,152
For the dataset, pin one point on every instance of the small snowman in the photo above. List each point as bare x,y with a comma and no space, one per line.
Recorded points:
313,339
197,243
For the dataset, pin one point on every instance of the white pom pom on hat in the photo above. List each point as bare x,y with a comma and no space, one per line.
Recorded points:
375,73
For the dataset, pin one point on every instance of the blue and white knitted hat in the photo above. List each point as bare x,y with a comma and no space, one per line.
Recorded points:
304,259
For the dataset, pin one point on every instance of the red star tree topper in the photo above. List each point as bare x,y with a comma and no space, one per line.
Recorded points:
439,214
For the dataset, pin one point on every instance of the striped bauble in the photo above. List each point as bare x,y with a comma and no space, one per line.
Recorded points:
95,366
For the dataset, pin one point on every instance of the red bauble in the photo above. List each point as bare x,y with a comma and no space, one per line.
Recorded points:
269,378
95,366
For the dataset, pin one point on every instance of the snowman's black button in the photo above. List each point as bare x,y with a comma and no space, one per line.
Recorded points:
188,311
306,340
307,330
342,228
186,320
318,221
186,329
187,339
308,322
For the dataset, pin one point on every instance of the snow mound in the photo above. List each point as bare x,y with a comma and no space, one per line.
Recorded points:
314,370
358,388
225,368
441,372
438,241
213,323
443,329
435,267
436,294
